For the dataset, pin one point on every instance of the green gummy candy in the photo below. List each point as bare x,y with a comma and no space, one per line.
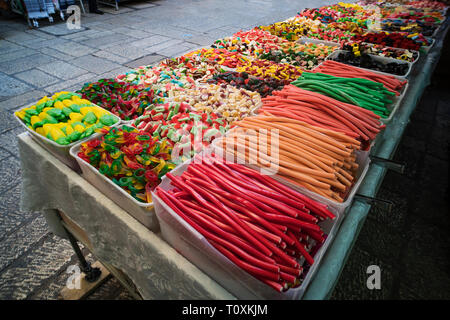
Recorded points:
90,118
50,119
107,120
67,111
39,124
31,112
74,136
63,140
88,132
75,108
56,113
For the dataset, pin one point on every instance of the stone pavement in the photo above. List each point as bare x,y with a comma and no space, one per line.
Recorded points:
411,245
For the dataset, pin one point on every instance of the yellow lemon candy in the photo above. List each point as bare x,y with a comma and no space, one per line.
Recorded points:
56,133
40,131
85,110
20,114
85,101
99,112
69,129
67,102
46,109
59,105
34,119
74,116
46,128
79,128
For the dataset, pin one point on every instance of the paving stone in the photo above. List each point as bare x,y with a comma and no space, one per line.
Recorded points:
107,40
107,291
41,43
110,56
139,34
11,87
202,40
56,54
17,36
32,270
8,140
114,73
157,48
17,54
139,5
7,121
21,100
40,34
17,243
435,176
352,284
145,61
60,30
62,70
128,51
150,41
69,83
10,177
11,217
74,49
113,11
37,78
7,47
4,154
25,63
397,217
174,51
95,64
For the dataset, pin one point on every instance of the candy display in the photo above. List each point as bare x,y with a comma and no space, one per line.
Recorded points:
193,66
394,39
305,55
123,99
318,159
338,69
219,56
379,50
269,69
65,117
368,62
132,159
253,220
331,34
410,26
161,78
183,128
360,92
292,30
428,4
225,100
242,80
323,111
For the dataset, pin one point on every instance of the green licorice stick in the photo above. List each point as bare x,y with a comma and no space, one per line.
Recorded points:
327,90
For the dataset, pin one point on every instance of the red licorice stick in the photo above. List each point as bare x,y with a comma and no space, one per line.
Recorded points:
268,201
315,207
226,214
302,249
247,267
200,224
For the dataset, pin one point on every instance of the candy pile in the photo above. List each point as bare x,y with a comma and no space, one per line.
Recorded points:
368,62
65,117
360,92
219,56
162,79
344,70
318,159
291,30
185,130
394,39
132,159
269,69
331,34
225,100
256,222
410,26
242,80
324,112
193,66
123,99
306,55
379,50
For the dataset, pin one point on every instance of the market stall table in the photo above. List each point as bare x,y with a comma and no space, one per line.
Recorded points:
141,259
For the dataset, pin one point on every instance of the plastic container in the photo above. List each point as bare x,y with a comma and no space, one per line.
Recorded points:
394,106
412,62
143,212
192,245
362,158
383,60
62,152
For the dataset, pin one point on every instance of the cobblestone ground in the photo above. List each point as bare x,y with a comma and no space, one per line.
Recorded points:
411,245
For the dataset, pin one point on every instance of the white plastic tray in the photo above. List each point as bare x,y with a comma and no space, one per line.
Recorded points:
62,152
192,245
362,159
143,212
317,41
383,60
